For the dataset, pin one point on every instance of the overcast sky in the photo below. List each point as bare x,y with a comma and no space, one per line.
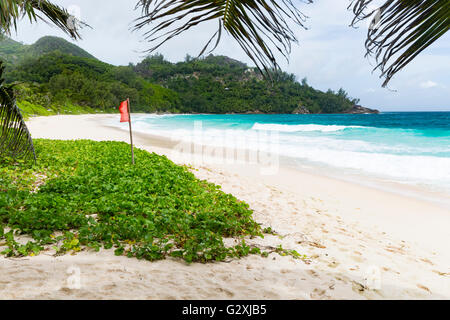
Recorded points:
330,54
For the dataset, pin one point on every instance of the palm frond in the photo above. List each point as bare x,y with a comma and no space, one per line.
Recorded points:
401,30
15,139
13,10
259,26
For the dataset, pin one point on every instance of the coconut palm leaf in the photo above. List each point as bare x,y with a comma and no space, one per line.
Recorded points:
13,10
401,30
15,139
259,26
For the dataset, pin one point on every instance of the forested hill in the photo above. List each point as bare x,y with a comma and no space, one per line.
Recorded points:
58,76
16,52
218,84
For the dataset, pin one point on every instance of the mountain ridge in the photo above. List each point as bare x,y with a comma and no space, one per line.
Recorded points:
57,71
15,52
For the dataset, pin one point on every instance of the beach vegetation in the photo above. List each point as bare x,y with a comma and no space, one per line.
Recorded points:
85,195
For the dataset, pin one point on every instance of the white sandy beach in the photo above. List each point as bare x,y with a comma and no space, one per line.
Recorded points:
361,242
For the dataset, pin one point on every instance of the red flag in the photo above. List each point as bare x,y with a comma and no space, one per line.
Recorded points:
124,116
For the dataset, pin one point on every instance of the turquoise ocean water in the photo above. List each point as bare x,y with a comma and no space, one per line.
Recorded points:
405,147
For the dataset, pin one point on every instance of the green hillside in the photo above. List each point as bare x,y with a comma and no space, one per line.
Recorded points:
60,79
57,76
11,51
15,52
49,44
218,84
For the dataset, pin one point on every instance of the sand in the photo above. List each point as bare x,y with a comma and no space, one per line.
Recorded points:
360,242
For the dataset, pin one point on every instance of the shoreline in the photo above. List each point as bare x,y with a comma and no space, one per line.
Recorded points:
164,146
436,197
433,195
350,233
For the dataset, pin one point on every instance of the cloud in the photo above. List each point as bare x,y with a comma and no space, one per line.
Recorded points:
428,84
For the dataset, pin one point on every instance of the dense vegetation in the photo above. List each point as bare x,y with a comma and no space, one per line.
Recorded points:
11,51
218,84
85,194
56,76
14,52
59,77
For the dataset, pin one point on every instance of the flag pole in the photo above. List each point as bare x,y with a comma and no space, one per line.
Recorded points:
131,132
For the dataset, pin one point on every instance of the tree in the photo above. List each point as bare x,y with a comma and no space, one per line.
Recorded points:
400,29
305,82
13,10
342,93
253,24
15,139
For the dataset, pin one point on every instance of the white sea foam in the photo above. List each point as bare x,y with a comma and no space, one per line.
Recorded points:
414,168
300,127
387,160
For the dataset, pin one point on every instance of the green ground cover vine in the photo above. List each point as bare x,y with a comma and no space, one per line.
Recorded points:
85,194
